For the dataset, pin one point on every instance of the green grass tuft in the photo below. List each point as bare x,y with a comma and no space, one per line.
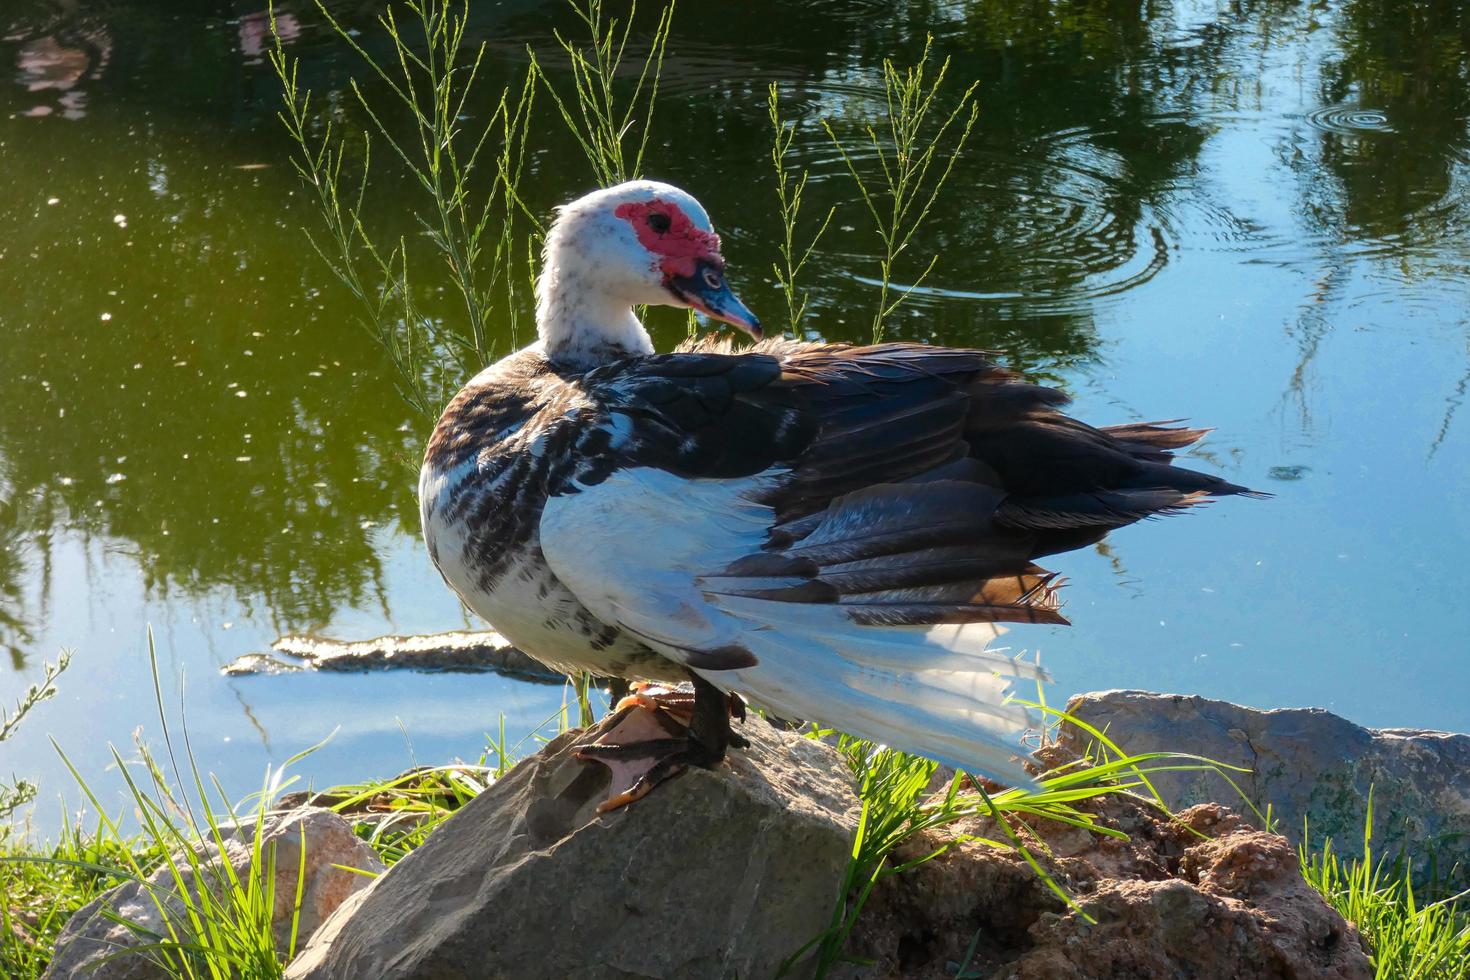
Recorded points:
1409,938
896,806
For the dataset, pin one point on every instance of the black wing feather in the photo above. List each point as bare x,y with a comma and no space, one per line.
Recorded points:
916,484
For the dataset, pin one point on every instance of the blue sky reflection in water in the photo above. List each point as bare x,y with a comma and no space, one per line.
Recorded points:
1253,214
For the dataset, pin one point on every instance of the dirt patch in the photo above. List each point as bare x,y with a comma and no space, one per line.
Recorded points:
1201,895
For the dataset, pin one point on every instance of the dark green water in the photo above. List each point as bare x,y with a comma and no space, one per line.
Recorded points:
1252,214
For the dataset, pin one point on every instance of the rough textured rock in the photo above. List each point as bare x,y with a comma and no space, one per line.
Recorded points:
1306,762
461,651
90,937
716,874
1202,896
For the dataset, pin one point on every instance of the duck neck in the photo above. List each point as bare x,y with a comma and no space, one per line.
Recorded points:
580,323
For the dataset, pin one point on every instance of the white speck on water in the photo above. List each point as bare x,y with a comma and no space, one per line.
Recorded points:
66,481
1162,623
1206,588
314,374
121,220
53,201
115,479
243,459
241,393
366,525
226,626
106,317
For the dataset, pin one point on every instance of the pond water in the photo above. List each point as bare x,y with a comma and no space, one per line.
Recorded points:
1253,214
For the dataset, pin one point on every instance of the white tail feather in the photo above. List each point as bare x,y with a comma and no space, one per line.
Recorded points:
958,716
634,548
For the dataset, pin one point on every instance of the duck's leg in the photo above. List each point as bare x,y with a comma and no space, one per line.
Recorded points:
657,732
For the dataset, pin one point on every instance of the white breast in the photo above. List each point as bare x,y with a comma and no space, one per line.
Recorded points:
526,602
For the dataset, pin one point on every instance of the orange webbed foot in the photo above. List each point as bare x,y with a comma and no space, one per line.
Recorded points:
651,737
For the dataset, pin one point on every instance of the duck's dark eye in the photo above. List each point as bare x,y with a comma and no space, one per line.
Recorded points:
658,221
712,279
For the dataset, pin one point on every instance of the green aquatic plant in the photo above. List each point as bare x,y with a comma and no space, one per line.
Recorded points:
33,904
1409,938
790,189
611,128
916,146
15,795
469,177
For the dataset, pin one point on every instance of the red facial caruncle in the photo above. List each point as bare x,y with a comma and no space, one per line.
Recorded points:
665,230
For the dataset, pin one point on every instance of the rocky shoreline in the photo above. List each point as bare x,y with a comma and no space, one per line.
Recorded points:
727,873
1312,767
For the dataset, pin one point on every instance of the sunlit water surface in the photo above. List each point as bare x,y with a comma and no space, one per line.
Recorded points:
1252,214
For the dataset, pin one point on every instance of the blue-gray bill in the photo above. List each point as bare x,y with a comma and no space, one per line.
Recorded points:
707,292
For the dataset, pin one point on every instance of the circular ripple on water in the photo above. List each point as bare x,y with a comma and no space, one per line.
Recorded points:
1046,228
1349,120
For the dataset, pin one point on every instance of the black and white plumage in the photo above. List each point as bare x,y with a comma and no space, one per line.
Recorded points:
837,532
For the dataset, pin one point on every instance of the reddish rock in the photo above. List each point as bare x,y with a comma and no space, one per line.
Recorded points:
1202,896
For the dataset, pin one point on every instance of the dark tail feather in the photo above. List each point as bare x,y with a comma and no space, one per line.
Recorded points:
928,552
1154,441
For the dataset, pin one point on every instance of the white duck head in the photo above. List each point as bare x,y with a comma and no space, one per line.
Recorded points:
641,242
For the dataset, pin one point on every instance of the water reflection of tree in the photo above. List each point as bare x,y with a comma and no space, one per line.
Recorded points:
225,420
1382,172
15,628
1409,59
1090,111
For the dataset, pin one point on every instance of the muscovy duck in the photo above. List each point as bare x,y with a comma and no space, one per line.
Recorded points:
835,531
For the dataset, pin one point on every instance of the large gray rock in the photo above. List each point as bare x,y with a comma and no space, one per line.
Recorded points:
716,874
91,939
1306,763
